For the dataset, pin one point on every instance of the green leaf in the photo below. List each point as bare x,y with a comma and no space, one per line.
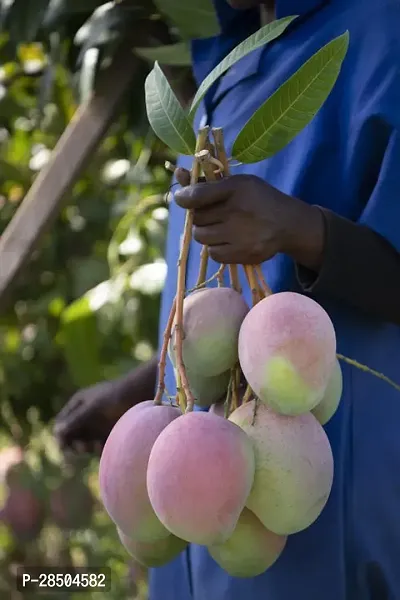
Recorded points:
194,18
166,115
293,106
173,54
81,342
263,36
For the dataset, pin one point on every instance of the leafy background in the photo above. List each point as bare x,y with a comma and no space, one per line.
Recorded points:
87,307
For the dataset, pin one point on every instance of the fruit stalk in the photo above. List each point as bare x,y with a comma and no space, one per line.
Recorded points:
222,156
182,263
252,281
264,285
163,355
209,173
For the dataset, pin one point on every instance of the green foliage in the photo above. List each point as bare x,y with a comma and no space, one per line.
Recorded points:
291,108
166,115
262,37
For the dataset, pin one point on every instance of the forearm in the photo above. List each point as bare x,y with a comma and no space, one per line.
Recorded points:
352,263
143,378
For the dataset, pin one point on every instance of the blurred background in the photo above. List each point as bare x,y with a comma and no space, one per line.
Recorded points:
86,307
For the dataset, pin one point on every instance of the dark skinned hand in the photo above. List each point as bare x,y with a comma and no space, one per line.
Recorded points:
244,220
85,422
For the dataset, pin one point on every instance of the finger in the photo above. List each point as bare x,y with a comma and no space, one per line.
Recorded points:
211,215
212,235
72,405
183,177
204,194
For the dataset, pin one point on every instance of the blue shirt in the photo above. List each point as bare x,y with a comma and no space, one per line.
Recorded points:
347,160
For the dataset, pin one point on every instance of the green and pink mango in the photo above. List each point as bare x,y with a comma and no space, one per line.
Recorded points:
211,322
294,467
153,554
287,351
200,473
329,404
208,390
123,470
250,550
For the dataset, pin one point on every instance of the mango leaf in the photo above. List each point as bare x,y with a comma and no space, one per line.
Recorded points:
173,54
263,36
166,115
194,18
293,106
81,343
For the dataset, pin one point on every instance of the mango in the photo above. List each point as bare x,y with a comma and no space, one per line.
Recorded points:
294,467
329,404
123,470
208,390
287,351
250,550
153,554
200,473
211,322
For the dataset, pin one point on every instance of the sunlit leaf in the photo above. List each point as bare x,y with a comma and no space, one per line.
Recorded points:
194,19
81,343
293,106
262,37
166,115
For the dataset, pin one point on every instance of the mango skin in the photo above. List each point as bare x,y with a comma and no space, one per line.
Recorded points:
294,467
153,554
200,473
329,404
123,470
211,322
250,550
207,390
287,351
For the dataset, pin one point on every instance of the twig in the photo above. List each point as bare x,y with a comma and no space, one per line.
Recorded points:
228,401
234,278
235,390
366,369
251,278
219,142
163,355
203,266
208,164
264,285
220,275
182,263
205,158
247,395
216,275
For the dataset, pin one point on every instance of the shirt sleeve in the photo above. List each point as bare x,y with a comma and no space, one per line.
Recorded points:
361,260
360,267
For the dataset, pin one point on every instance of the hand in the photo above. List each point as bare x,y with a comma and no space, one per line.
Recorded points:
86,420
244,220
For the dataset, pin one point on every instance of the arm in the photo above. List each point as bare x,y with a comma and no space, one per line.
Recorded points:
142,378
335,257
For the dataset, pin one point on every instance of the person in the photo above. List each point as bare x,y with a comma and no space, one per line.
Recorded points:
323,218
